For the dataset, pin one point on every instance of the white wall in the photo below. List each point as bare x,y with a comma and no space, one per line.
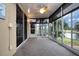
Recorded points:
5,36
28,28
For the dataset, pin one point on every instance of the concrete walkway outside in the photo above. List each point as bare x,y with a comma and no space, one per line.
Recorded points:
42,46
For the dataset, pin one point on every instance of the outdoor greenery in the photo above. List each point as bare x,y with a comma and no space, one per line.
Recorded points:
67,41
66,27
77,26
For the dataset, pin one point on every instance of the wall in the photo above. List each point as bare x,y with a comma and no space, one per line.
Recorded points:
8,36
28,28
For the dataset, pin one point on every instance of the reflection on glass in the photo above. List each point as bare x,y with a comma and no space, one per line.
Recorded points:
37,29
52,30
44,30
59,38
41,29
67,29
75,20
55,29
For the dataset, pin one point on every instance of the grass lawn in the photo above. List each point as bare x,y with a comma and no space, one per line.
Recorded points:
69,31
67,41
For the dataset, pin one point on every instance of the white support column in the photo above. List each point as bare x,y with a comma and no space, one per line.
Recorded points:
28,28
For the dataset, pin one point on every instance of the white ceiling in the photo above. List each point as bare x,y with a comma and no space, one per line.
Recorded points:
35,7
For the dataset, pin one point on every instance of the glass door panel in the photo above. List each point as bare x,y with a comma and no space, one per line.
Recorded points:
67,30
59,38
75,26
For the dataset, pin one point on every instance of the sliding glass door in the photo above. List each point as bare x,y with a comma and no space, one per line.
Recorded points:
41,29
67,29
59,30
55,30
75,26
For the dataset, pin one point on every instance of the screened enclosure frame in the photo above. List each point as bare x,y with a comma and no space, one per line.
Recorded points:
61,16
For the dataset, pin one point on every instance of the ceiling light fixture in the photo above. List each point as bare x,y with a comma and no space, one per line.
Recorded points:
43,10
28,10
29,14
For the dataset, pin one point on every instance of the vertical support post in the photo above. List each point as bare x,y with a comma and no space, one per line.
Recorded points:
45,29
23,28
71,32
53,30
40,29
48,28
56,29
62,25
